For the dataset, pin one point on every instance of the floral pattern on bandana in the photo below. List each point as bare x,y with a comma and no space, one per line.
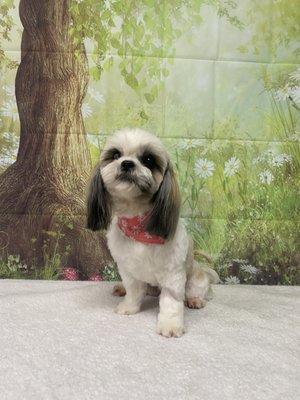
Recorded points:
134,228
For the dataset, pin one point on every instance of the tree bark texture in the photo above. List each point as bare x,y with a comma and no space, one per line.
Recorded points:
47,183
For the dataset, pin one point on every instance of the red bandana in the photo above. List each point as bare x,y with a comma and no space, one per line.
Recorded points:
134,228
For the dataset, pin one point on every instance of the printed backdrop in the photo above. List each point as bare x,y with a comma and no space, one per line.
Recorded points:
217,80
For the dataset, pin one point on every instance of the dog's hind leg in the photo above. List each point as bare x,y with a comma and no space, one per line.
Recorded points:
197,287
199,279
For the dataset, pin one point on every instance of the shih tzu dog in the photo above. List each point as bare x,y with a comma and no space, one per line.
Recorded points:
134,194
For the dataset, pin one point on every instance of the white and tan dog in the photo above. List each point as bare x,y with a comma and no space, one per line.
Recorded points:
134,194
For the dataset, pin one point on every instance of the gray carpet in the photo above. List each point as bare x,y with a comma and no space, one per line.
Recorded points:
61,340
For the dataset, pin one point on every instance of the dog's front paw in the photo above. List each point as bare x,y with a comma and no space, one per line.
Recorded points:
170,328
126,309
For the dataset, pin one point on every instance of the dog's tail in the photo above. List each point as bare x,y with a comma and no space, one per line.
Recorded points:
210,272
199,253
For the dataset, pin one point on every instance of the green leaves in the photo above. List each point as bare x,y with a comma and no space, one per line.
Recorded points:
115,43
149,97
95,73
131,80
136,31
6,24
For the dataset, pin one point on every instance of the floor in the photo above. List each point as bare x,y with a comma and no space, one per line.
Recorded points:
61,340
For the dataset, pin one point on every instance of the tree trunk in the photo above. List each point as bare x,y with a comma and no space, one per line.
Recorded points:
42,195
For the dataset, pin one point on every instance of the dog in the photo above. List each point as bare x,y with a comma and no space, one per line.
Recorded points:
134,195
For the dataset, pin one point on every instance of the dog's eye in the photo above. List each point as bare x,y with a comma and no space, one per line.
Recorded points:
149,161
116,155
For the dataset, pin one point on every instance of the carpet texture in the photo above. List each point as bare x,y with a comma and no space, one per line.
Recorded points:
61,340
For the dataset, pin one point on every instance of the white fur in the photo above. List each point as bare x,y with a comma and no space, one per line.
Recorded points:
170,266
158,265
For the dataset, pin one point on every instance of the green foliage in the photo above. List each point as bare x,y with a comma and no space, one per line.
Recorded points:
110,273
9,122
240,196
12,268
55,252
242,201
6,24
8,144
131,29
224,9
274,24
268,245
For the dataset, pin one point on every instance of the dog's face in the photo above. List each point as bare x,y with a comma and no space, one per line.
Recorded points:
133,164
135,167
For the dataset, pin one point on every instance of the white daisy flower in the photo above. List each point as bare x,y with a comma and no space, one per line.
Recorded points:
204,168
295,75
9,90
182,145
279,159
266,177
231,166
10,110
187,144
232,280
86,110
266,156
249,268
295,94
95,95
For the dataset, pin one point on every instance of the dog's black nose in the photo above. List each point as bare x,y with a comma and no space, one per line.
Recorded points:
127,165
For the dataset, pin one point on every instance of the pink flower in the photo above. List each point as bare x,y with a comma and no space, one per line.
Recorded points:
70,274
95,277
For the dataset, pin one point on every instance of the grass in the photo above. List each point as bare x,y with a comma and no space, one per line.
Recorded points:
11,267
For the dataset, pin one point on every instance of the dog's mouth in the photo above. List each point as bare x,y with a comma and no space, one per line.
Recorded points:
126,177
143,184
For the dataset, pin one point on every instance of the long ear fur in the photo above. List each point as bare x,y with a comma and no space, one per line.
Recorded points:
98,203
164,215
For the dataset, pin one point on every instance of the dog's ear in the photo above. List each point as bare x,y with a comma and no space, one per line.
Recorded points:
98,203
164,215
